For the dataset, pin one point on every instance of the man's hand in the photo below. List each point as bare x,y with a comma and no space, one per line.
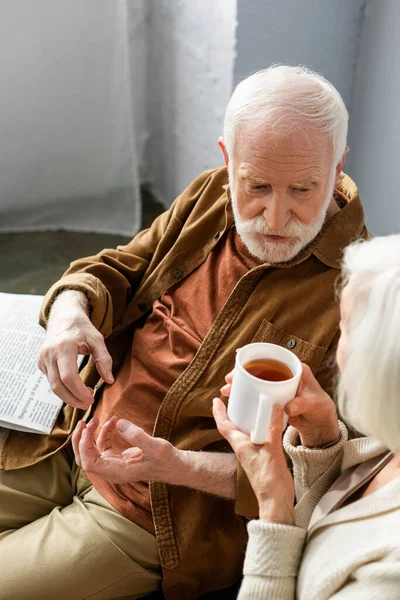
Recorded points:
69,333
312,412
264,464
150,459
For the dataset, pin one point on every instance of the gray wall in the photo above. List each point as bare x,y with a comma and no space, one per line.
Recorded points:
320,34
67,156
191,68
50,55
375,121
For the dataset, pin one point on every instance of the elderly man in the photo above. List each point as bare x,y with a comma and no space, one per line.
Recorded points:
250,252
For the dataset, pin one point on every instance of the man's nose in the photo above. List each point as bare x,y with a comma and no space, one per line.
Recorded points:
276,213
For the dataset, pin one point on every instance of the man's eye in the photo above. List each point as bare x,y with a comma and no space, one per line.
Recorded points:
258,188
302,190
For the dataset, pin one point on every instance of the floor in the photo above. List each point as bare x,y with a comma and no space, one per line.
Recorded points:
31,262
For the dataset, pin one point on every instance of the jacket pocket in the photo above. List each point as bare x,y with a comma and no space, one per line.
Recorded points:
311,354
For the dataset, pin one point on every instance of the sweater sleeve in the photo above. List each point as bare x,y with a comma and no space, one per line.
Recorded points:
309,464
272,561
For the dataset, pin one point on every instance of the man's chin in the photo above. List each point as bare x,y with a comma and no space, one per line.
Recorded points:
273,251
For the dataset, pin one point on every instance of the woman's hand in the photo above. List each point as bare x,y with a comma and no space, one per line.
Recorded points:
312,412
265,465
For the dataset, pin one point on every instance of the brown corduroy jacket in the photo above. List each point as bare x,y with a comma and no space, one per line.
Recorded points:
202,539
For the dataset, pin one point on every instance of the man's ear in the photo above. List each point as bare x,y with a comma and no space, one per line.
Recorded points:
340,165
221,144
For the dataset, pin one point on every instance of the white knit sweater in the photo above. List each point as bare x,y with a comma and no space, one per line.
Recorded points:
351,554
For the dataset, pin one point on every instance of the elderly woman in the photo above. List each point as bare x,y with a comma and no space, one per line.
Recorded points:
334,532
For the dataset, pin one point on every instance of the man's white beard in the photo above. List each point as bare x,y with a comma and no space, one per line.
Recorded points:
300,234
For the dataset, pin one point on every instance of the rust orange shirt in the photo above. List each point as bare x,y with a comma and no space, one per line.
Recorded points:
161,350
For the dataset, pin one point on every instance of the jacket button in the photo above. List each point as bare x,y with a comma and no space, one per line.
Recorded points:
178,273
291,343
216,235
142,307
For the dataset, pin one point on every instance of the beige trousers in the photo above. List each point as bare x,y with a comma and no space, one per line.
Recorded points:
61,540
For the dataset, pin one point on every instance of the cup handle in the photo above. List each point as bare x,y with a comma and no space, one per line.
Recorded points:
264,412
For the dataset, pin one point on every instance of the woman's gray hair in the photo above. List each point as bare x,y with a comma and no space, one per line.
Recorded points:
369,385
284,99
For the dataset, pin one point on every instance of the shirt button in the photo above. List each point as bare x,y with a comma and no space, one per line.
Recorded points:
291,343
216,235
178,273
142,307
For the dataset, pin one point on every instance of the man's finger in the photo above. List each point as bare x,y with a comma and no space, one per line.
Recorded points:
133,454
104,438
102,359
88,451
93,424
76,437
63,392
135,435
69,375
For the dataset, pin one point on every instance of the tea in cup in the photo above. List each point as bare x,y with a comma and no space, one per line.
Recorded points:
264,375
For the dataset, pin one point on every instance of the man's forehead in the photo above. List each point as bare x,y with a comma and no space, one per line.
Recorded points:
250,174
299,146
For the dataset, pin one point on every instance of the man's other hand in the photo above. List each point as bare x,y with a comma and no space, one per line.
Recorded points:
70,333
147,459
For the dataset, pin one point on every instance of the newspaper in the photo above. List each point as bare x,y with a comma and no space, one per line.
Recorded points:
26,400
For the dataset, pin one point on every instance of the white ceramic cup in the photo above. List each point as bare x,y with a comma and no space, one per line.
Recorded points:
252,399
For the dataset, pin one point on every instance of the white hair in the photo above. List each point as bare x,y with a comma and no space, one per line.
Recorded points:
283,99
369,385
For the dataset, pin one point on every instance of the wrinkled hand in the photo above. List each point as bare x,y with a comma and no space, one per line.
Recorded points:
147,459
264,464
313,413
70,333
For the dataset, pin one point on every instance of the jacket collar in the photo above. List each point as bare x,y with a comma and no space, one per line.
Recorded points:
339,231
385,499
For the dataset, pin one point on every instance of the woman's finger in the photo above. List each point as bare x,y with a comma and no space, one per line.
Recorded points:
224,425
296,407
226,390
308,379
220,416
229,377
276,426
